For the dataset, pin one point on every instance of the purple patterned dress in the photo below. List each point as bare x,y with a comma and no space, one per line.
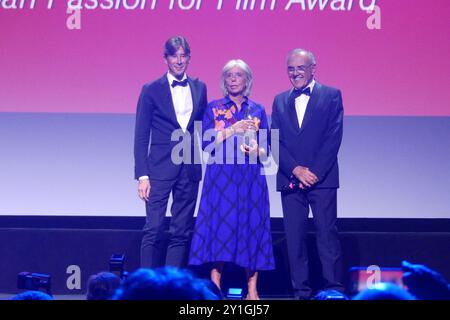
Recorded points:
233,220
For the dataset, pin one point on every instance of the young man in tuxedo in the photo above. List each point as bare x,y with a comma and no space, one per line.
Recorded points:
173,102
309,119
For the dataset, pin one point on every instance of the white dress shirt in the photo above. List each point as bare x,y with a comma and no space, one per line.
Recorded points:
182,101
301,102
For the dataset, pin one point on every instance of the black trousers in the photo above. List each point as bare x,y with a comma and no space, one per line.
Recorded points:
184,195
323,203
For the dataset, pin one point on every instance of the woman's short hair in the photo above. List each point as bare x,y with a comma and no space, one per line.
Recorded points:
248,75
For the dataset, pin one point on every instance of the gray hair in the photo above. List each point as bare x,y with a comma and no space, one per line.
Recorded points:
299,51
248,75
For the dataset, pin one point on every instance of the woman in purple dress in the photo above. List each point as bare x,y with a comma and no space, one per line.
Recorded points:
233,221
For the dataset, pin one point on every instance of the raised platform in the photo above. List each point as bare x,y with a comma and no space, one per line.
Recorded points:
70,249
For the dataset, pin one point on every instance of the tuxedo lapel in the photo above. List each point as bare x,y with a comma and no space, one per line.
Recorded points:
292,114
311,106
167,102
195,100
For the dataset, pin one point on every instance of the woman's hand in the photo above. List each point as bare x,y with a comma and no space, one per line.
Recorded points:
241,126
251,149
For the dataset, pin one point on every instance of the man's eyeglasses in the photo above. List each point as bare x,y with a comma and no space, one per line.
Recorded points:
299,69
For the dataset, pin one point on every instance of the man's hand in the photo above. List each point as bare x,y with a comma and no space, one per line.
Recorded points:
306,177
144,189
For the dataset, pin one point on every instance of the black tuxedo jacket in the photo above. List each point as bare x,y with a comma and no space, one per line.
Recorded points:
316,144
156,117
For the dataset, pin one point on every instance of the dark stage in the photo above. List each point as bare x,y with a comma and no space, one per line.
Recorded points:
70,249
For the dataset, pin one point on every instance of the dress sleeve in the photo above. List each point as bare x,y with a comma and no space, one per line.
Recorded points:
208,125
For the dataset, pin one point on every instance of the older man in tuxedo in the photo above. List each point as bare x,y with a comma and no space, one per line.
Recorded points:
173,102
309,119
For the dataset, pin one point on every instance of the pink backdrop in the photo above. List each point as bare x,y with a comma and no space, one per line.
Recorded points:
402,69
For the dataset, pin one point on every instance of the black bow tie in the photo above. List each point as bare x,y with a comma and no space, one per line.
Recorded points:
179,83
298,92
